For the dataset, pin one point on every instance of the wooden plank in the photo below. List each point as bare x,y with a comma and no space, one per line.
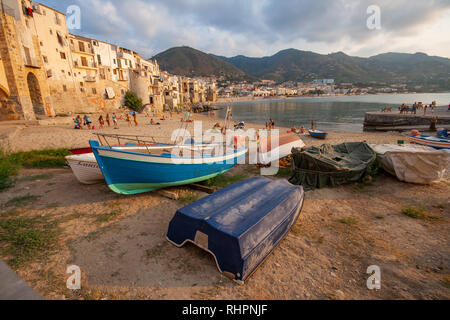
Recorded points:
203,188
168,194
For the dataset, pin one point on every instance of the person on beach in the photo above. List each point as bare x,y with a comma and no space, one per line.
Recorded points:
303,129
129,120
293,129
114,119
153,123
87,121
135,119
425,110
101,121
433,124
78,123
312,125
108,120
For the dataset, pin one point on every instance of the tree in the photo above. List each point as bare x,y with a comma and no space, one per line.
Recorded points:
132,101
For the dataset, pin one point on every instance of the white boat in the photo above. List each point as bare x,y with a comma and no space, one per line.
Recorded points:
269,153
85,168
413,163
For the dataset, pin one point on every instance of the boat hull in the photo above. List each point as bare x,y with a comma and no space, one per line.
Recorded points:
133,173
85,168
241,224
284,147
318,135
435,142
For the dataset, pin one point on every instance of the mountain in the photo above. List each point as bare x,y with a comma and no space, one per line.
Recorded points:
416,70
296,65
187,61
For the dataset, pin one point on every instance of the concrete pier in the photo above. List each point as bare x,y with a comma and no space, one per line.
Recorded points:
394,121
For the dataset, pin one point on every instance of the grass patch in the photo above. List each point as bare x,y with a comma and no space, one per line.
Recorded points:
441,205
21,201
188,198
348,221
284,173
10,164
223,181
8,168
50,158
27,239
418,213
109,216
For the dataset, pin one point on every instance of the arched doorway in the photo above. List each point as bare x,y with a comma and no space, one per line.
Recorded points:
35,94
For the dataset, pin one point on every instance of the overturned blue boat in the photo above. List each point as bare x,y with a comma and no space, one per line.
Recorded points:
241,224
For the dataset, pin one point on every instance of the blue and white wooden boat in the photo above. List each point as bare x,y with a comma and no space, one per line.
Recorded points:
241,224
138,171
435,142
318,134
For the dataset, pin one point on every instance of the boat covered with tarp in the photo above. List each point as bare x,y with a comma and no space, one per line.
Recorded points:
413,163
241,224
332,165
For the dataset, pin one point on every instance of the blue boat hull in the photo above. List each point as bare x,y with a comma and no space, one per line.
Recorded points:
241,224
125,176
318,135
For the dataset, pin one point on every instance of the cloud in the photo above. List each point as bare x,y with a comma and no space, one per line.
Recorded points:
262,27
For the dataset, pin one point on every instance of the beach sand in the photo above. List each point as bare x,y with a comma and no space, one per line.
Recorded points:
26,138
119,241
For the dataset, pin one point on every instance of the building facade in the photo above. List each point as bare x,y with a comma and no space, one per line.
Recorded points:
45,71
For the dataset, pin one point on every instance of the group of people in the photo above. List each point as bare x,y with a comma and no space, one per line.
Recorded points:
417,106
302,130
108,120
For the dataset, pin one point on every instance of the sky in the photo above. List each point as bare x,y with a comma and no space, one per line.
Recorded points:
259,28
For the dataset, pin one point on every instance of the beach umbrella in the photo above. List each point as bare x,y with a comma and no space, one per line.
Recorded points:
188,115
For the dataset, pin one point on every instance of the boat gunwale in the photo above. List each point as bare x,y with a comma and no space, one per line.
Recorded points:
235,153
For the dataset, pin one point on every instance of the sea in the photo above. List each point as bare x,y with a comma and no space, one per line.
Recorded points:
329,113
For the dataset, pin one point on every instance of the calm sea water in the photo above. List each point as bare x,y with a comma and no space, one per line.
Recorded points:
329,113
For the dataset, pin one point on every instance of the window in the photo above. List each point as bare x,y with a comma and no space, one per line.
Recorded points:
57,20
84,62
63,72
94,91
51,31
41,43
63,55
45,59
99,60
81,46
69,73
64,88
27,55
114,60
81,84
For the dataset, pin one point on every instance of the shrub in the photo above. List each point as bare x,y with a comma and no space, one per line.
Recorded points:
132,101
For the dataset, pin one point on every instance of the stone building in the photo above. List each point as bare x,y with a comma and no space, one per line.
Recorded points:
45,71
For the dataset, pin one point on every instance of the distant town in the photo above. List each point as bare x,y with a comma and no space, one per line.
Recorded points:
319,87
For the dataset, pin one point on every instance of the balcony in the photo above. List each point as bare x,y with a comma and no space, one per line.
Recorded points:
87,65
77,49
90,78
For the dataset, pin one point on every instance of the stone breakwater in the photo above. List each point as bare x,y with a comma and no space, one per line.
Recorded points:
394,121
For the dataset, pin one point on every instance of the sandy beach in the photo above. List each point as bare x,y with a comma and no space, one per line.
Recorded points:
119,241
26,138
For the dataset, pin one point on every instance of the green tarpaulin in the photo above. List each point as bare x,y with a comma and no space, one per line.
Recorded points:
328,165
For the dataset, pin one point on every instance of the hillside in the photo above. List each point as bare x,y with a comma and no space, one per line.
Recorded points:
296,65
187,61
419,69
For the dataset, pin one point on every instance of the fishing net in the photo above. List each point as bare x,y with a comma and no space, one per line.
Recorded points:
329,165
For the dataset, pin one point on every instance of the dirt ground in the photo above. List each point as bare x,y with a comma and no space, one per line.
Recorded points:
119,243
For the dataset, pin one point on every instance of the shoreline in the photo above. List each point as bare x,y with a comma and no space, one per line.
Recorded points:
271,99
28,138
